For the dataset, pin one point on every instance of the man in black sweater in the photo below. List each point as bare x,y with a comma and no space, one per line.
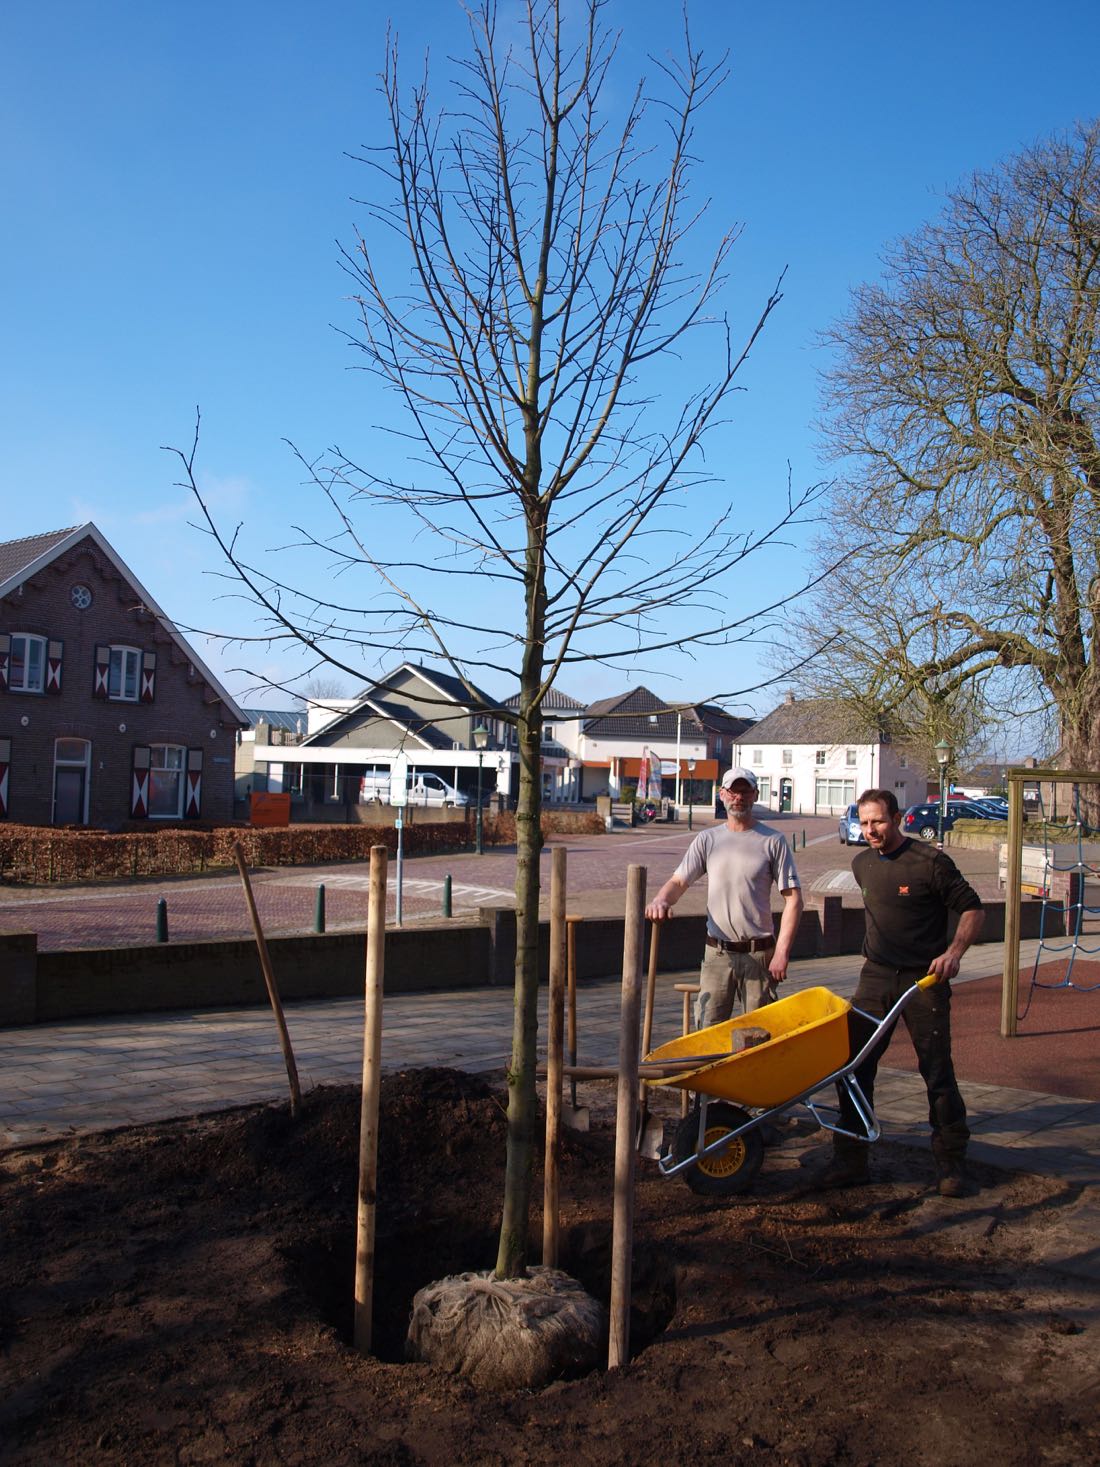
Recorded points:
909,890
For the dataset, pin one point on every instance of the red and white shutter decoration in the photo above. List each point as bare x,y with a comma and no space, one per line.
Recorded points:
148,676
139,784
102,672
53,667
192,795
5,661
5,766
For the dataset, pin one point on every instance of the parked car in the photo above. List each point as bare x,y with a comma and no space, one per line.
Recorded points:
850,833
423,789
923,821
997,803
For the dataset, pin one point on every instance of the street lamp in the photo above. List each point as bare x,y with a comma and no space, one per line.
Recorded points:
943,759
691,773
481,738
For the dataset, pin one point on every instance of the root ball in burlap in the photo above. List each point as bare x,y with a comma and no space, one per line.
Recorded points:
507,1334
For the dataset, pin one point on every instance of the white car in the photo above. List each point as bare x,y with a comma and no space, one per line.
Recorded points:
422,789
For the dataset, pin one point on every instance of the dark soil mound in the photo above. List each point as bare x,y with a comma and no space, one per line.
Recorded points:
182,1293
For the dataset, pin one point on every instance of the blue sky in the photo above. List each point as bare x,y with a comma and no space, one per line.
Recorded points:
177,184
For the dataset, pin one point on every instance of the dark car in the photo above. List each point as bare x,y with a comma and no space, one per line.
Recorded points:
923,821
850,833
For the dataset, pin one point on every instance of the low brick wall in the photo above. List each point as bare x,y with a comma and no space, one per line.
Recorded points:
41,987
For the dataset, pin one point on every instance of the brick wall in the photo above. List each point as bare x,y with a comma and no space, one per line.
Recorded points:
184,710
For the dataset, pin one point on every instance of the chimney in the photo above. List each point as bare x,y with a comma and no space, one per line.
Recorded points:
790,697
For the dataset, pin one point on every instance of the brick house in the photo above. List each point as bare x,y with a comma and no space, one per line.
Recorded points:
693,742
106,714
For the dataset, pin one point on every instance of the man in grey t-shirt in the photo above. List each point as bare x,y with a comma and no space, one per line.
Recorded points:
742,861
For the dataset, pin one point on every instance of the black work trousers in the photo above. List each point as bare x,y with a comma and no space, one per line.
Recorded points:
927,1016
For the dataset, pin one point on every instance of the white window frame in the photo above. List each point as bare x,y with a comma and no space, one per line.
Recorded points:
787,758
29,640
758,756
833,794
819,758
116,678
851,758
162,769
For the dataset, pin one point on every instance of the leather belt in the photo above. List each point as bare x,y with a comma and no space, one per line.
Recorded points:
749,945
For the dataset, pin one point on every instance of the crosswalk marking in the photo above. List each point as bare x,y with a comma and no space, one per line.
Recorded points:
472,896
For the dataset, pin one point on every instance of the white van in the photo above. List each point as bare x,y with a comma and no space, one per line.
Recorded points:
422,789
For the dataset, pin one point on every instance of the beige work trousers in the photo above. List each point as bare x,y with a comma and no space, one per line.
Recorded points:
727,977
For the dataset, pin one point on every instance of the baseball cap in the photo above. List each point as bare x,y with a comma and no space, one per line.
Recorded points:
731,776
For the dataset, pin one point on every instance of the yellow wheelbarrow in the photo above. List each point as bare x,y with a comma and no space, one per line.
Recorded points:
816,1040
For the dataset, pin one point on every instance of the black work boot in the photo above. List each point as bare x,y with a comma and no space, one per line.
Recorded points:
950,1176
843,1169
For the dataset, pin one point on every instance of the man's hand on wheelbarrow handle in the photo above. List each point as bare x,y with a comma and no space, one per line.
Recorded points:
928,981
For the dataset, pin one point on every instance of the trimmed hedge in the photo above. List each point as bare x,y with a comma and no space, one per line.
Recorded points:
36,855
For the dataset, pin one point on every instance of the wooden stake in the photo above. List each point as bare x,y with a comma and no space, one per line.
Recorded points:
368,1111
687,989
647,1144
554,1045
622,1227
571,984
269,980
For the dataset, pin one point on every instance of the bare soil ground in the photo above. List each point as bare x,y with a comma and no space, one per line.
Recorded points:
181,1293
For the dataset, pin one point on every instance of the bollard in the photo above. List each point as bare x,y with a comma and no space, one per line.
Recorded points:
162,920
447,895
319,909
803,840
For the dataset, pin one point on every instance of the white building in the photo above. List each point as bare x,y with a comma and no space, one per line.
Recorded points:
815,756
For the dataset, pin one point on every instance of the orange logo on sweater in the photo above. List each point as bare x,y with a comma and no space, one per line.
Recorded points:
903,891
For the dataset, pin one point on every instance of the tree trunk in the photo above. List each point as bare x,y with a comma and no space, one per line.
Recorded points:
522,1095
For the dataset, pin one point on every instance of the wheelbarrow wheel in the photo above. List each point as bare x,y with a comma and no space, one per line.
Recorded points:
723,1173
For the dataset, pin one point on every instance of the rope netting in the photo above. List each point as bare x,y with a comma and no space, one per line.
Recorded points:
1066,925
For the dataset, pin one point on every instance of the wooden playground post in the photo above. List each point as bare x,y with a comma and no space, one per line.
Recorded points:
554,1045
368,1111
622,1228
1010,985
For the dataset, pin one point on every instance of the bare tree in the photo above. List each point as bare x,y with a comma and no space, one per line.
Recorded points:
552,496
965,402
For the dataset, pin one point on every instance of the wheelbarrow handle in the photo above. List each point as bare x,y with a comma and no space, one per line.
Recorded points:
928,981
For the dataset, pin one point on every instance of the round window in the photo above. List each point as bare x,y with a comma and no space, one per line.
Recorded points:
81,596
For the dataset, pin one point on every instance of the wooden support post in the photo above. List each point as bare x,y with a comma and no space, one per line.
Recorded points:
622,1228
571,984
687,989
554,1045
269,980
368,1110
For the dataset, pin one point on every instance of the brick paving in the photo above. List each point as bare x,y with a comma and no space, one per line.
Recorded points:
211,907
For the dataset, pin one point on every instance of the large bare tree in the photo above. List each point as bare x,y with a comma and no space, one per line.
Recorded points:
529,289
964,407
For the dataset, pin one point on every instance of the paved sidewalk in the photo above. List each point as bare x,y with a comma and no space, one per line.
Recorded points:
87,1075
63,1080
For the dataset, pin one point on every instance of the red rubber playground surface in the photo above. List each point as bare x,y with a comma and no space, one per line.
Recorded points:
1057,1047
